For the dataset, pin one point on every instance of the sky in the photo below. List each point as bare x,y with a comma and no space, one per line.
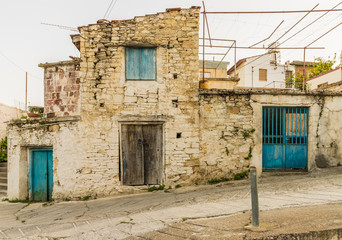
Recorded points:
25,41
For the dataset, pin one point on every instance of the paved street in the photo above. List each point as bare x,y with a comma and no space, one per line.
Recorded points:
134,215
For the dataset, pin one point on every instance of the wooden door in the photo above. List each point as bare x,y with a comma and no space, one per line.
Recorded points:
141,147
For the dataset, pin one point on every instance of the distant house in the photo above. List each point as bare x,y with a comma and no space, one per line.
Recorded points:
330,80
323,80
7,113
299,67
261,71
213,69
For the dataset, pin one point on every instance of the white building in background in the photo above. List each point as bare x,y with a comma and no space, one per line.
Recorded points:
324,79
262,71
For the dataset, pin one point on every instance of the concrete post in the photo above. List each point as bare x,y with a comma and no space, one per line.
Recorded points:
254,196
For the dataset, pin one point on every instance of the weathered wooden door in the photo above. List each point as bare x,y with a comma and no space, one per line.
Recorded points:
141,147
285,138
41,174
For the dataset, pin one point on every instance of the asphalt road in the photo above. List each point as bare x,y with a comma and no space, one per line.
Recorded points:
125,216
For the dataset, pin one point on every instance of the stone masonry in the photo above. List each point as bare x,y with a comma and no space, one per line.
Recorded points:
61,88
226,136
206,133
107,101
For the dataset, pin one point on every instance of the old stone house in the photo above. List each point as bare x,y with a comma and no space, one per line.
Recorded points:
130,112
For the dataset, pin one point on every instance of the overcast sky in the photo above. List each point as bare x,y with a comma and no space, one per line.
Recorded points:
25,42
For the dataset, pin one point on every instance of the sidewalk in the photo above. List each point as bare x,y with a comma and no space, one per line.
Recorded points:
135,215
310,222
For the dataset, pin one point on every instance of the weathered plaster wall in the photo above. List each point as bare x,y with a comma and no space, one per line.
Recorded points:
226,115
58,134
108,100
7,113
61,88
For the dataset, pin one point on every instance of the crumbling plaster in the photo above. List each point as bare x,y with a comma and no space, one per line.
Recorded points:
220,129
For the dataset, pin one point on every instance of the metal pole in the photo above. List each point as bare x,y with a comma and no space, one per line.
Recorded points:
254,196
203,45
26,94
304,71
252,77
235,60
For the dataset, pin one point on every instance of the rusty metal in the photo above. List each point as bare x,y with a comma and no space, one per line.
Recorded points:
224,56
311,23
306,47
276,12
269,35
296,24
203,47
214,46
206,20
303,72
215,54
235,62
219,39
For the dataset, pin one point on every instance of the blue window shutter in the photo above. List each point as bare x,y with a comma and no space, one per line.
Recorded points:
148,64
133,63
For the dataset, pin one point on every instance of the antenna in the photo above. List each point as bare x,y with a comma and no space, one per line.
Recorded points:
61,27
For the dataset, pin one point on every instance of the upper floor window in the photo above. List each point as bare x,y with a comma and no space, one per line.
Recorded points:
262,74
141,64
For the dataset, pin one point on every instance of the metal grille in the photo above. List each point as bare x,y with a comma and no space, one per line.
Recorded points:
285,125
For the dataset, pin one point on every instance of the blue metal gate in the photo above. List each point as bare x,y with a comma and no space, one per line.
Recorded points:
285,138
41,174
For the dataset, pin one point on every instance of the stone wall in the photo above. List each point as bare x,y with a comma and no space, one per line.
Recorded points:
227,128
231,128
108,100
61,88
337,86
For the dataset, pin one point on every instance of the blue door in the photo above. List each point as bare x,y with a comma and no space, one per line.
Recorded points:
285,138
41,174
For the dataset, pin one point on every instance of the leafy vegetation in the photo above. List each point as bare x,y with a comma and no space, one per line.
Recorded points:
3,150
321,65
237,176
154,188
218,180
247,133
249,154
241,175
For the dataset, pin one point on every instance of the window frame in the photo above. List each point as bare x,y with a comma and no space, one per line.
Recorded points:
260,74
140,54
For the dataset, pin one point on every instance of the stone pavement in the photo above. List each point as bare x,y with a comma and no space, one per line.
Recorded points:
134,215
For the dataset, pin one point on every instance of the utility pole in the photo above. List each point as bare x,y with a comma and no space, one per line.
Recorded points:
252,76
26,94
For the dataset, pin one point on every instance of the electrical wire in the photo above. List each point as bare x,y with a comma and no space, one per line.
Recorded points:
110,9
104,16
19,67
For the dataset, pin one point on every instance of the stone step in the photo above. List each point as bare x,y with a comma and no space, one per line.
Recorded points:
3,174
3,169
3,186
3,180
3,164
3,192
